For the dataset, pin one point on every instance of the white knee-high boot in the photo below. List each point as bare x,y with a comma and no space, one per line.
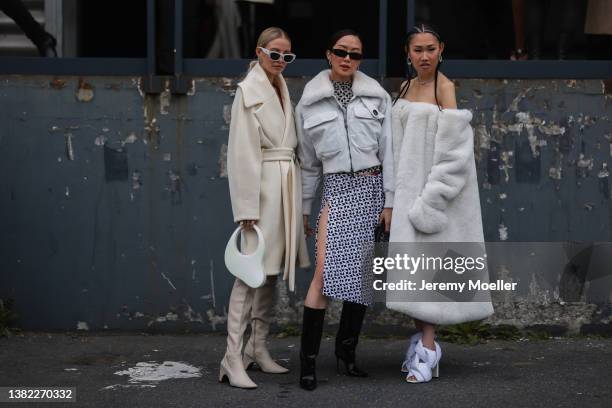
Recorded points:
261,318
232,367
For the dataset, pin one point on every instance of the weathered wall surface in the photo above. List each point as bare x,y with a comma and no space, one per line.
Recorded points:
114,209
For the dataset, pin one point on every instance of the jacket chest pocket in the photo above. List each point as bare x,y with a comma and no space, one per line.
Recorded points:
367,127
322,129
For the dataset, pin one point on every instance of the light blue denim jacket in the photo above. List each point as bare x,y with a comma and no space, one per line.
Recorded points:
332,140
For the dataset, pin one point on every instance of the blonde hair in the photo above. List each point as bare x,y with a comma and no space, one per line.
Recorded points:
268,35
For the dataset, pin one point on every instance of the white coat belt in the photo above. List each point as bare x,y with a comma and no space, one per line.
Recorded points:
290,190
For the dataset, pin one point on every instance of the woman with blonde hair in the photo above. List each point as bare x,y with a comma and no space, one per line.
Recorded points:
265,189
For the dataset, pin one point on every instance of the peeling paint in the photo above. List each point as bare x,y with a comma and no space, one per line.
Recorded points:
85,91
100,140
212,283
193,316
583,166
227,114
130,139
223,161
139,85
215,319
136,180
192,89
82,326
69,148
164,99
507,163
174,186
503,232
57,83
169,317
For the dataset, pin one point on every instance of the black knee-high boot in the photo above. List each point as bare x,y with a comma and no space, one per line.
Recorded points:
348,337
312,330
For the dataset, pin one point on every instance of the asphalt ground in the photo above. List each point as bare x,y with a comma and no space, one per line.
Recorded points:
561,372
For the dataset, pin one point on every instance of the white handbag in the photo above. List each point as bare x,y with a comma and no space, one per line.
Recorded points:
248,268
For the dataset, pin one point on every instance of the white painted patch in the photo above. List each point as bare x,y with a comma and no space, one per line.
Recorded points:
168,317
136,180
115,386
131,138
167,156
153,372
164,100
69,148
212,283
100,140
227,114
603,173
503,232
67,191
82,326
192,90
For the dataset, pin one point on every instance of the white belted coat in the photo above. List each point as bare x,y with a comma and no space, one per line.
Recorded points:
264,178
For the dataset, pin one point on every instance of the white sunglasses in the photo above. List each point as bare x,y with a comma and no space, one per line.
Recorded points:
275,55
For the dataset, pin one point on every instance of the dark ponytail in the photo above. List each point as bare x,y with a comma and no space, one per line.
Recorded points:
419,29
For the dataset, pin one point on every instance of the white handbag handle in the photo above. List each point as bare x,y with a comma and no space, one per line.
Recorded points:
246,267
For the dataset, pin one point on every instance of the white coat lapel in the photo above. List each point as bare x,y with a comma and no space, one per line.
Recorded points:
259,91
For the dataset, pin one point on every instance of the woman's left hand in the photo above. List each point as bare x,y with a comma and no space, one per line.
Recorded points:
385,216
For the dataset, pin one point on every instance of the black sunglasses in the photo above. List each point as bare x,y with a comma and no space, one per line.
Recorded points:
343,53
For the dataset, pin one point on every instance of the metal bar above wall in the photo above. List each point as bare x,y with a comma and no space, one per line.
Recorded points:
178,37
151,56
411,15
542,69
382,38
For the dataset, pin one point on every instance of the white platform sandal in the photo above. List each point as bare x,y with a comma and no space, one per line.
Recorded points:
410,352
424,363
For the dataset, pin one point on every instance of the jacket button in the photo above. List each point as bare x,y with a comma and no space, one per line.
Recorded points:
375,112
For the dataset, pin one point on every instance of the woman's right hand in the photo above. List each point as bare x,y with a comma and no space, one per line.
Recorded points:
247,224
307,230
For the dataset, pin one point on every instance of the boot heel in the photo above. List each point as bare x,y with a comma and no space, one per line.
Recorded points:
223,377
247,361
435,372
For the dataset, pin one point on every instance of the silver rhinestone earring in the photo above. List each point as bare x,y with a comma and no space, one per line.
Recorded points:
408,61
440,58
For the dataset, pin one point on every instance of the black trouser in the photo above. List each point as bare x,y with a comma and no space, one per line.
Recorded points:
16,10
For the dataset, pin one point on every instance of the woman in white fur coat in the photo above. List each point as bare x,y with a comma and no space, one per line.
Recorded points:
436,190
265,189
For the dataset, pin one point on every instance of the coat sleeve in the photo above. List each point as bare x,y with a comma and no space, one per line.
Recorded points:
453,156
311,166
385,155
244,161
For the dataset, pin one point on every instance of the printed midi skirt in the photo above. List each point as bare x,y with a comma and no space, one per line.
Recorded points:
354,205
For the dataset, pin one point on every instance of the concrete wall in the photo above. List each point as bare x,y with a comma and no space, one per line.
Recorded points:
114,208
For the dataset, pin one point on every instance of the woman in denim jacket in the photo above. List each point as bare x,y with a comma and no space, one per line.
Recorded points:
344,137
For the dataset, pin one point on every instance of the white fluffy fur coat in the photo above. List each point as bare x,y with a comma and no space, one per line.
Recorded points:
436,194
